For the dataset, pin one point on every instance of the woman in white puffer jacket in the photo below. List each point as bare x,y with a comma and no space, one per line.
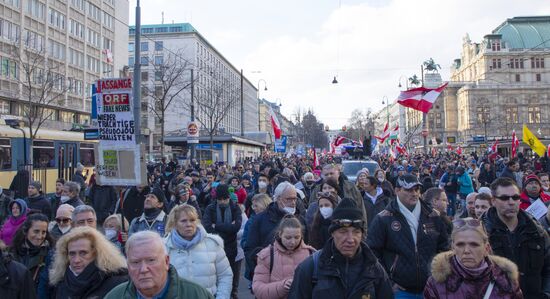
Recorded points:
197,255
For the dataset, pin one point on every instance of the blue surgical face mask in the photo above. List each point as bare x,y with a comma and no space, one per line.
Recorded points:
167,173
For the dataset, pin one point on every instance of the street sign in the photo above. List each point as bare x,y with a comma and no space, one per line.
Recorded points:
120,161
193,132
280,144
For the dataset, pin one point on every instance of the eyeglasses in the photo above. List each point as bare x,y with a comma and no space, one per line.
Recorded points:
514,197
458,223
62,220
348,222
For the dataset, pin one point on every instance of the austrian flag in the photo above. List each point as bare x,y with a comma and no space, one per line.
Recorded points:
275,124
421,99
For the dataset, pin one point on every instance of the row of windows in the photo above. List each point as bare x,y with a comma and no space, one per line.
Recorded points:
512,115
517,63
93,64
76,28
15,3
36,9
9,68
56,19
157,30
34,40
56,50
76,57
159,45
94,38
94,12
9,30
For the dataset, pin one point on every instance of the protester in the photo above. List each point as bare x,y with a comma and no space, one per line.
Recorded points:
36,202
115,232
223,217
470,209
449,183
306,185
33,247
545,182
84,215
103,199
63,221
276,263
196,254
405,236
318,233
469,271
79,178
345,267
517,236
55,198
20,183
486,175
183,196
532,191
327,186
437,200
15,280
71,194
374,199
151,275
482,204
383,183
132,203
18,215
153,217
465,184
86,265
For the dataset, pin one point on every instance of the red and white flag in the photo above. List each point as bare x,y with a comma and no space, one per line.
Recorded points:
401,149
449,147
515,144
421,98
459,150
275,124
493,150
338,140
385,134
315,159
108,55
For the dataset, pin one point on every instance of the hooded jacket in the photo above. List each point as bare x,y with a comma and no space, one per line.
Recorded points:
12,224
339,277
268,285
531,250
391,240
204,264
449,281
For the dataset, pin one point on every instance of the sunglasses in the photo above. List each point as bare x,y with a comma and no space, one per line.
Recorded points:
515,197
348,222
62,220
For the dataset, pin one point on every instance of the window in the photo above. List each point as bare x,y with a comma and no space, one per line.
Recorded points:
146,30
36,9
159,60
56,19
538,77
34,40
144,92
9,30
5,154
511,115
131,47
483,114
94,12
158,91
43,154
79,4
533,114
144,76
56,50
537,62
107,20
516,63
144,46
438,122
518,78
87,154
158,76
4,107
76,28
93,38
144,60
158,45
131,61
497,63
495,45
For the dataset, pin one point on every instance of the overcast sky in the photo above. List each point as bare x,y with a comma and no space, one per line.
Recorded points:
300,45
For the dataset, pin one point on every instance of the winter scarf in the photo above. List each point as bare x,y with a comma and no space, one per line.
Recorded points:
151,214
78,286
413,218
181,243
474,273
227,215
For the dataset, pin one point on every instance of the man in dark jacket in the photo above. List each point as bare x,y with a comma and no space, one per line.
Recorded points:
345,267
103,199
71,193
517,236
36,202
15,280
132,204
262,229
486,175
55,199
80,179
223,217
405,237
510,171
374,199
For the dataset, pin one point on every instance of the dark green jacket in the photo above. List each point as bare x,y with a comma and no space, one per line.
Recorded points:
179,288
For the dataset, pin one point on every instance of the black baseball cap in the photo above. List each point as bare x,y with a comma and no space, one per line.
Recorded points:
407,181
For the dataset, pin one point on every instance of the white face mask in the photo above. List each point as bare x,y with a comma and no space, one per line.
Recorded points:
262,185
326,212
64,198
65,229
110,233
289,210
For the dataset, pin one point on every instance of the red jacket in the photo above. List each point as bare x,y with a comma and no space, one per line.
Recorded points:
526,202
241,195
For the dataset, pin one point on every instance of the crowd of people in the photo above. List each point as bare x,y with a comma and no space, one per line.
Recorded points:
421,226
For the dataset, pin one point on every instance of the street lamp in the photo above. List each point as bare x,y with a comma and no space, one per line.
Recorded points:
258,96
387,103
406,82
334,81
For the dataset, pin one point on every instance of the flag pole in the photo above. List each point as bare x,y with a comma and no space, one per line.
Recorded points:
424,124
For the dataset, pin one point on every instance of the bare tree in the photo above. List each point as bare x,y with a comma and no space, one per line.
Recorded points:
214,103
360,124
42,85
171,76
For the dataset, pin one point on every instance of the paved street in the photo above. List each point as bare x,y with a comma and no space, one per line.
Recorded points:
244,292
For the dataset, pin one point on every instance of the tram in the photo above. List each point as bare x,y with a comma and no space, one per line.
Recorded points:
55,154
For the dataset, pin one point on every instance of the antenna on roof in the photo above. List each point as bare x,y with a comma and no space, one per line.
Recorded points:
162,18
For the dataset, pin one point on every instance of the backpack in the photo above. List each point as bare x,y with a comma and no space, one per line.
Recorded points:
272,255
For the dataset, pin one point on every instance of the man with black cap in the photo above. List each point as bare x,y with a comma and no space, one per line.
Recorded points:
405,237
153,217
223,217
345,267
36,202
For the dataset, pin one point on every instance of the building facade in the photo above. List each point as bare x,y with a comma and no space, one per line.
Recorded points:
213,77
501,83
76,42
